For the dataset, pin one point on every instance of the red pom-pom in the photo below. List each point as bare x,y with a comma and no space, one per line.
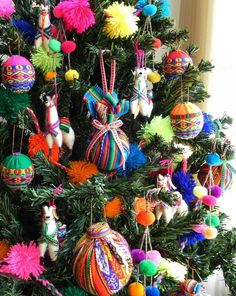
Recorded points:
58,10
209,200
157,43
146,218
68,46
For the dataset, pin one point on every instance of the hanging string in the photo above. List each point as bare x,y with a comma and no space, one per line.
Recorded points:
21,138
13,139
91,212
181,89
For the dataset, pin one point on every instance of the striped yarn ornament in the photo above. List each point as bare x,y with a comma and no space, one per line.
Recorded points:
186,120
102,261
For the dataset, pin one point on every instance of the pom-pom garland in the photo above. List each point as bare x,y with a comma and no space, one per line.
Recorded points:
147,268
199,191
7,8
76,14
213,159
136,289
152,291
146,218
113,208
215,191
23,261
54,45
138,255
4,249
135,160
49,76
68,46
209,200
80,171
154,256
120,21
149,10
156,43
210,232
71,75
165,8
199,227
212,220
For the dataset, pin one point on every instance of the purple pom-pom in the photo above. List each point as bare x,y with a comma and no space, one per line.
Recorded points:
138,255
215,191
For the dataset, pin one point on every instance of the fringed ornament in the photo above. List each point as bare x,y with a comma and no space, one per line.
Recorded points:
80,171
113,208
97,252
26,29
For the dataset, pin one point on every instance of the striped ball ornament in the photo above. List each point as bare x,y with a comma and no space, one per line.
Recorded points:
18,74
186,120
17,171
102,261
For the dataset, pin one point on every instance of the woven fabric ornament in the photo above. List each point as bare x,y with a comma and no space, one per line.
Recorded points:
186,120
80,171
191,287
18,74
7,8
176,63
102,261
121,21
17,171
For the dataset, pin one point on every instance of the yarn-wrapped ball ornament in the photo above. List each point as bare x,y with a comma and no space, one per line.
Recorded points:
176,63
17,171
186,120
191,287
18,74
102,261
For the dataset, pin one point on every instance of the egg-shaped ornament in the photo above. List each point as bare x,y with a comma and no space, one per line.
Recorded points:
18,74
176,63
186,120
191,287
102,261
17,171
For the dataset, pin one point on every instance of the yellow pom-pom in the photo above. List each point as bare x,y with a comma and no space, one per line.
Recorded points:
80,171
71,75
120,21
136,289
4,248
50,76
210,232
154,77
113,208
200,191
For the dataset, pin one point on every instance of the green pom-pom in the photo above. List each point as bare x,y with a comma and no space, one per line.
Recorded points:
45,61
11,104
55,45
147,267
72,290
158,126
212,220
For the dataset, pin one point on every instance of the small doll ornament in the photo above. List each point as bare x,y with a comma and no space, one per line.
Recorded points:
43,35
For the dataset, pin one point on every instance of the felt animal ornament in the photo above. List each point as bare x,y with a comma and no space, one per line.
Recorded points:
141,101
68,134
43,35
49,240
53,132
164,188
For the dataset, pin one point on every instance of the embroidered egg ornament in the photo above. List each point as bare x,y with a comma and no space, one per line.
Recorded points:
186,120
102,261
176,63
17,171
18,74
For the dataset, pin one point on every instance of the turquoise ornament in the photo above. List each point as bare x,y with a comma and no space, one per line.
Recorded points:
149,10
213,159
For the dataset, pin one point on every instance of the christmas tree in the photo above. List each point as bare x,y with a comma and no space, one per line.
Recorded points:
98,131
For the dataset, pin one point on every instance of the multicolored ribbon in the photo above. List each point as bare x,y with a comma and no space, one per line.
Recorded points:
104,128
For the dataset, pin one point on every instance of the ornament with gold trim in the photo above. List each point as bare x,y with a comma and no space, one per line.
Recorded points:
17,171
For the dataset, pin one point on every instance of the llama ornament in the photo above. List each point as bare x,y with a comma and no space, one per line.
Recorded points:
43,34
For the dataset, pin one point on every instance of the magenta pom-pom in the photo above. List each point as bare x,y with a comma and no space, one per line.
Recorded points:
155,256
7,8
76,14
68,46
209,200
138,255
215,191
199,228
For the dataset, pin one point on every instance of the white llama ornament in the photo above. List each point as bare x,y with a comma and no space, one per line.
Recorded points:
43,34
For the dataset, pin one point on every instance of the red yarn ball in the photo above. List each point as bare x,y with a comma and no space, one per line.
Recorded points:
68,46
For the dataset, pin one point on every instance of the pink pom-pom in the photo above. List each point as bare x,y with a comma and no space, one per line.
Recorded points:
23,261
155,256
7,8
199,228
76,15
209,200
138,255
215,191
68,46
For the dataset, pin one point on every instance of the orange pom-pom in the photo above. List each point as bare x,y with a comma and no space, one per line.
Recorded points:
136,289
80,171
50,76
146,218
4,248
141,204
38,143
210,232
113,208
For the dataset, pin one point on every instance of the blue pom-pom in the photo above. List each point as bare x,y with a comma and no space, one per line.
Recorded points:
135,160
149,10
141,4
213,159
191,238
185,184
152,291
208,126
28,30
165,8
